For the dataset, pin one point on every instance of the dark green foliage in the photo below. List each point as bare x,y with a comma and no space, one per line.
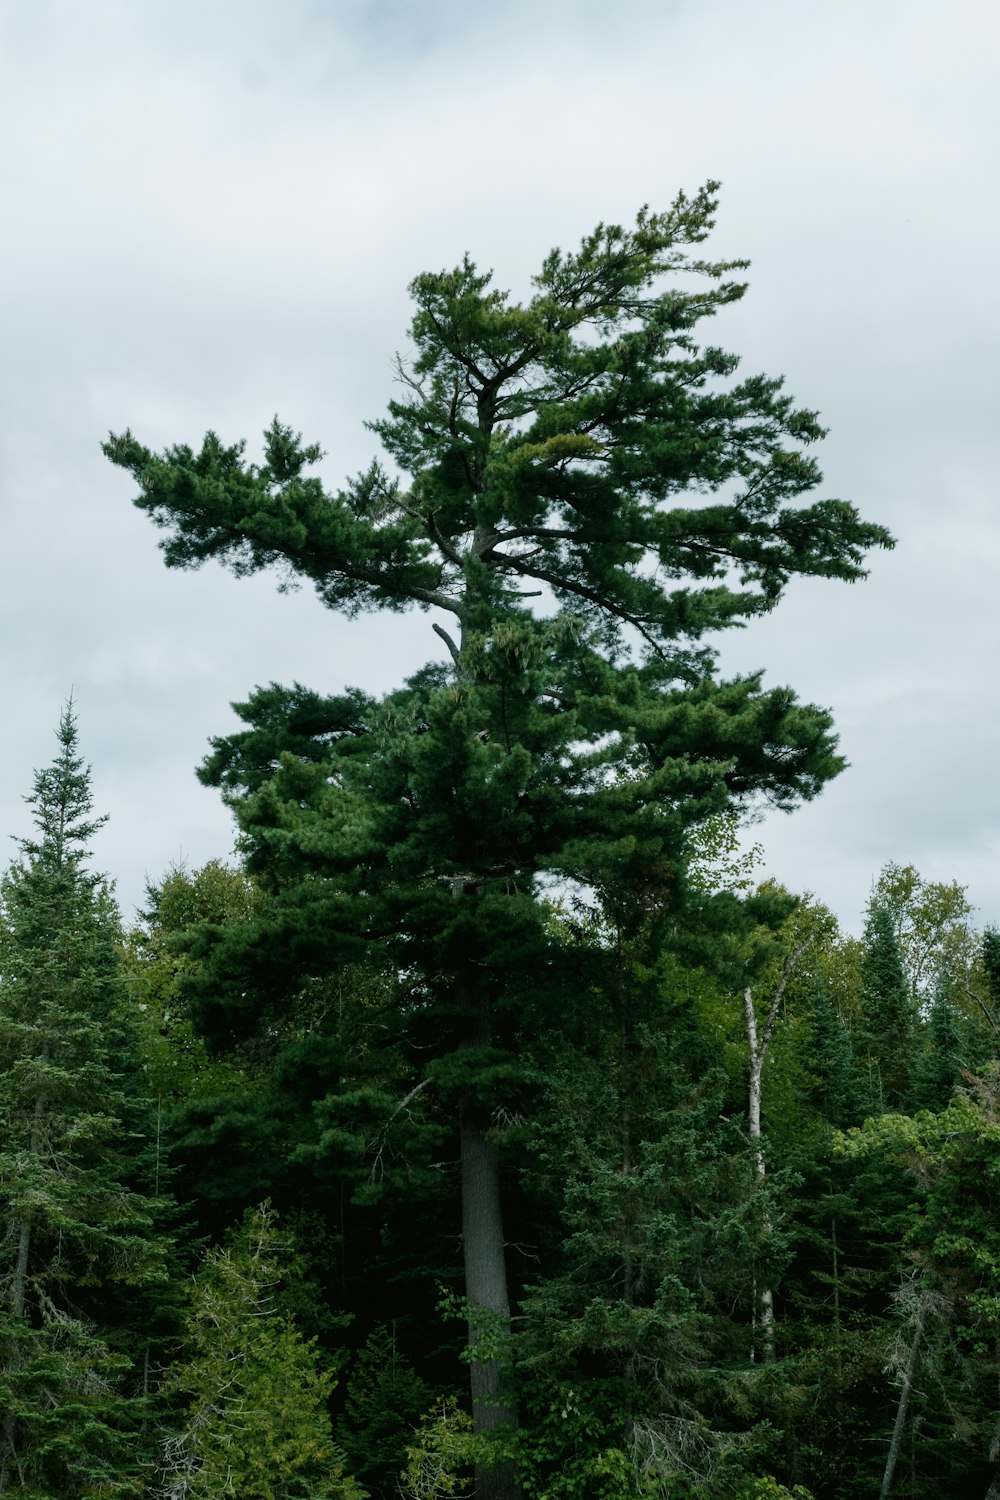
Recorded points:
846,1223
75,1235
70,1426
887,1023
384,1402
949,1292
542,442
836,1092
946,1056
990,958
635,1225
640,1298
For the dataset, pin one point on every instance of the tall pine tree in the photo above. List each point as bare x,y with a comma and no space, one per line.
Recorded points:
585,450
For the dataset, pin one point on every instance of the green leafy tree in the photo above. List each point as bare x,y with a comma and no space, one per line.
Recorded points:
250,1396
75,1235
176,1064
583,449
930,919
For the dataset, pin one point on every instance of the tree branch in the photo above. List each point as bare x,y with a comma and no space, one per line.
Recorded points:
441,541
791,960
453,649
581,590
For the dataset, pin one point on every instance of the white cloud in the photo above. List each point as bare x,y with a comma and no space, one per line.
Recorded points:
212,213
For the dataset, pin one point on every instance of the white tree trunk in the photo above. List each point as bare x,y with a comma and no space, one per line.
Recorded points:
757,1045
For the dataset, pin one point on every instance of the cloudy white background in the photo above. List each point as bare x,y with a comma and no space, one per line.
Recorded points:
209,213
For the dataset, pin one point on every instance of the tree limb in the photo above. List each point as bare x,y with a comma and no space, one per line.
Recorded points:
453,649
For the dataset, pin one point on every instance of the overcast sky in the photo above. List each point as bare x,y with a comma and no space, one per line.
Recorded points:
210,213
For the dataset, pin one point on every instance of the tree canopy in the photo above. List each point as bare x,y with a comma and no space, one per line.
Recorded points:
545,443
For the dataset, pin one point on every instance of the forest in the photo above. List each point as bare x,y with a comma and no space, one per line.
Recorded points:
492,1127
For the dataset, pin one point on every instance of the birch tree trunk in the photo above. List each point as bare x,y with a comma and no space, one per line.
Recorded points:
757,1045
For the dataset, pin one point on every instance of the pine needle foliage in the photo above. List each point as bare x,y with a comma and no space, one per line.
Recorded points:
543,442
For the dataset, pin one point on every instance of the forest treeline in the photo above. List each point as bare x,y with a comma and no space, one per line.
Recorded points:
491,1127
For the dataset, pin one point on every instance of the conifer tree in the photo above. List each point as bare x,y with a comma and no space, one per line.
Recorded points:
72,1229
582,449
945,1055
887,1023
835,1092
384,1402
250,1398
989,958
950,1272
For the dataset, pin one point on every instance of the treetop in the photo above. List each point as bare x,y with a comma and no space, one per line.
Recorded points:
61,800
581,448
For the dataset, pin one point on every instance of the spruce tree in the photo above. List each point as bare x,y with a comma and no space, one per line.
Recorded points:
647,1240
887,1024
945,1056
989,958
582,449
949,1294
74,1233
249,1400
384,1403
835,1090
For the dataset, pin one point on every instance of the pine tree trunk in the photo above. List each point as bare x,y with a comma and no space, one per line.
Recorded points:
485,1265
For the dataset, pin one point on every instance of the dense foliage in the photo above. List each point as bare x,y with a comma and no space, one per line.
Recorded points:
521,1141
